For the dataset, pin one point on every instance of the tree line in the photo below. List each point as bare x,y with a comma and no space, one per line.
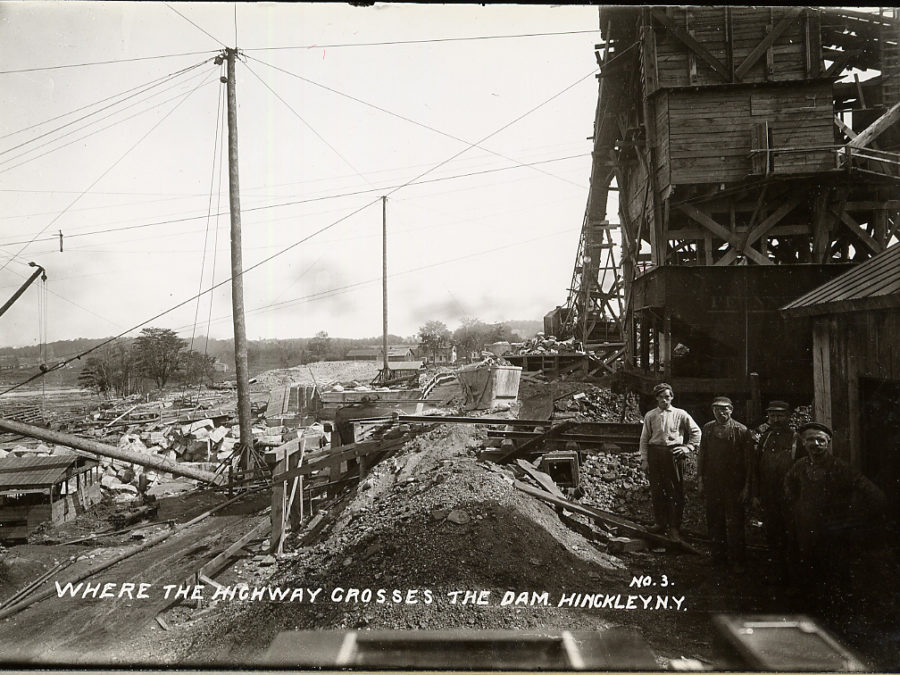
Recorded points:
157,354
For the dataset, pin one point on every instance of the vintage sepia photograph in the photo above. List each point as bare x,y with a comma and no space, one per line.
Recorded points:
413,336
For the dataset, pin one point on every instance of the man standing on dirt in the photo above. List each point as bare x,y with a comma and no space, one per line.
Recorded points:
776,451
831,505
723,469
668,436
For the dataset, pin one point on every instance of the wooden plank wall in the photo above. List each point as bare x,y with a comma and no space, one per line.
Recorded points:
707,26
710,130
847,347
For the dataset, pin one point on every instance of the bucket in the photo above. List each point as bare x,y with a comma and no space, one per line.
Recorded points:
485,388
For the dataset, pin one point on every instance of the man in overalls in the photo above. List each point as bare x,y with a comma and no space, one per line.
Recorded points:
723,469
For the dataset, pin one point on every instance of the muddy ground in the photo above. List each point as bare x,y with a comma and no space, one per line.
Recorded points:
428,525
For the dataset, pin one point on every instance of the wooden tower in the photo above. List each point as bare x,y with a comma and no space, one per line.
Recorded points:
755,154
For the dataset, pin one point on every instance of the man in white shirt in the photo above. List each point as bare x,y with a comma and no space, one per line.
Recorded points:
669,434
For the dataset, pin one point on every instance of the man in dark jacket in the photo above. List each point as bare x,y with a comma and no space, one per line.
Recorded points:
830,504
776,451
723,469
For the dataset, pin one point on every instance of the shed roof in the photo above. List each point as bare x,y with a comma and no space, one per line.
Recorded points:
30,471
874,284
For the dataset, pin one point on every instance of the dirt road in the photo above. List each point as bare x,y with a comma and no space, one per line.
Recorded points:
92,630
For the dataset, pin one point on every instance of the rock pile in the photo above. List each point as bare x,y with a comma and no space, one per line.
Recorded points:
598,404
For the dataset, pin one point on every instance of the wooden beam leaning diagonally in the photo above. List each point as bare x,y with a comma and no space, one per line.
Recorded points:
871,132
688,41
759,50
722,232
860,233
760,230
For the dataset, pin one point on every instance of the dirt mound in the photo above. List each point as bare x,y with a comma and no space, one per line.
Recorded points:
429,523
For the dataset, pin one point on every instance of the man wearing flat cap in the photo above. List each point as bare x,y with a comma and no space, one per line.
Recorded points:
776,451
723,469
668,436
830,502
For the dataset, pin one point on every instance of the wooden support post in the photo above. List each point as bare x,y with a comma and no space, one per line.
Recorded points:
881,228
666,345
278,508
855,450
822,371
754,403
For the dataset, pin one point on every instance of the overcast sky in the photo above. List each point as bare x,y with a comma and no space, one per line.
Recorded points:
124,158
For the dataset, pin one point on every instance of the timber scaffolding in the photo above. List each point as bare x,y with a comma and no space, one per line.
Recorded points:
752,164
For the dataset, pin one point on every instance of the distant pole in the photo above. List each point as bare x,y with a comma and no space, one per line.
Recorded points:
237,279
384,340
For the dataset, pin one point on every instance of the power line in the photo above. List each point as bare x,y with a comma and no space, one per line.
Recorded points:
103,100
100,63
419,42
397,115
303,239
339,290
102,175
309,200
81,138
207,34
155,83
307,124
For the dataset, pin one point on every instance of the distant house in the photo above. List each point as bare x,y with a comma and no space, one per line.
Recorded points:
395,353
8,362
34,490
442,355
220,367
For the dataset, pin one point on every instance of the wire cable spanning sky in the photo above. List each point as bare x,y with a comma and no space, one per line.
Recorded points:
427,94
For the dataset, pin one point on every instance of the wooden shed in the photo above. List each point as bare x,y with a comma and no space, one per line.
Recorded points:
856,361
35,490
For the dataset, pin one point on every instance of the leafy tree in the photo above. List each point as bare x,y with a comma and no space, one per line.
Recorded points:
434,336
319,346
198,367
470,336
159,353
113,371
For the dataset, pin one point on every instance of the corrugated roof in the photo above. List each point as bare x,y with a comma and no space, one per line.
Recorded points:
874,284
23,471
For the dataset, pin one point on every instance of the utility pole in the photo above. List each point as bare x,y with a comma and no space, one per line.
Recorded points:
384,340
237,278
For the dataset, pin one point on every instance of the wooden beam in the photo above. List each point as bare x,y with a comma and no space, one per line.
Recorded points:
857,229
840,62
767,224
764,44
604,517
846,130
723,233
877,127
648,52
682,36
821,225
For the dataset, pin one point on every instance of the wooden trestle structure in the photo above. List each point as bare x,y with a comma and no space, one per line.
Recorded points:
752,163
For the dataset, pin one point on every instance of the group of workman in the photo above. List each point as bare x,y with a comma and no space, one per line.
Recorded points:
810,501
